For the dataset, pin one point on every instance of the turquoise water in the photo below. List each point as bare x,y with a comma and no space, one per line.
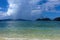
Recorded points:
30,29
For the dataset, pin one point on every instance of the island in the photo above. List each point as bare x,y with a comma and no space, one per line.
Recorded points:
43,19
57,19
14,20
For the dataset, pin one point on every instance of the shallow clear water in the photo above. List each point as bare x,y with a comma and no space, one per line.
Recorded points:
30,29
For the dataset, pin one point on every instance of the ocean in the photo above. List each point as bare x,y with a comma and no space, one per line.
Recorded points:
32,30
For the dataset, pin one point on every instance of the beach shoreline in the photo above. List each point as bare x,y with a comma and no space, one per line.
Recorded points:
6,38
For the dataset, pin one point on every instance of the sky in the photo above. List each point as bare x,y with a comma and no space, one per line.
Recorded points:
29,9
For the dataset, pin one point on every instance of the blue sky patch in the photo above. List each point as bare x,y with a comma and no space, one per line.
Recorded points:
42,2
57,7
3,5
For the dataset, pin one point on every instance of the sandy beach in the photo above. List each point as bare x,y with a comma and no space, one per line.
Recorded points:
6,38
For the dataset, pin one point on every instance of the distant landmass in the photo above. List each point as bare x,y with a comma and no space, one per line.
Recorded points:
48,19
39,19
57,19
43,19
14,20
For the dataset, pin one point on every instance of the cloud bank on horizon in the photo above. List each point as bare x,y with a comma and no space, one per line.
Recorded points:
30,9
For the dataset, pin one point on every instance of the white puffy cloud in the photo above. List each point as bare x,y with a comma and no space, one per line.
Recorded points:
13,6
11,9
50,5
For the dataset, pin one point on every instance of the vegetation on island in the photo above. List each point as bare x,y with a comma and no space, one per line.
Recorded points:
43,19
48,19
57,19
